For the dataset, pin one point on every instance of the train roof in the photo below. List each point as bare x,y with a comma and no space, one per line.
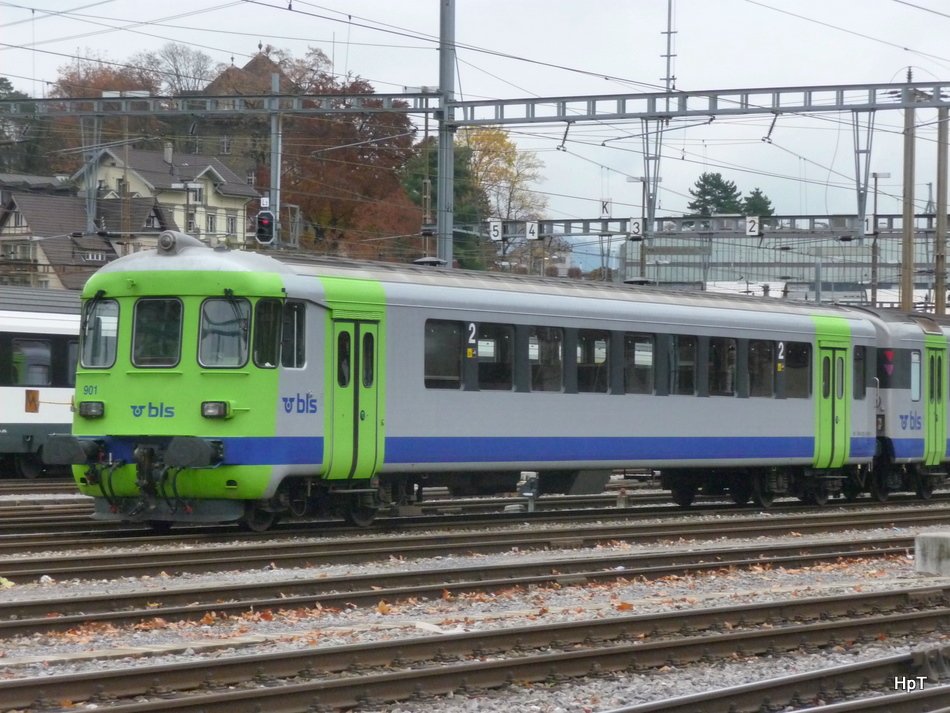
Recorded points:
38,299
420,275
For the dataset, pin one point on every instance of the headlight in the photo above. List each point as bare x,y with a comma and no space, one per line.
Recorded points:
91,409
215,409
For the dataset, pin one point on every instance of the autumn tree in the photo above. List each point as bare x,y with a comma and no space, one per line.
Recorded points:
470,203
19,152
176,68
91,77
504,173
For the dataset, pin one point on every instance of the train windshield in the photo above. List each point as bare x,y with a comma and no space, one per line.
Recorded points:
99,333
156,332
225,327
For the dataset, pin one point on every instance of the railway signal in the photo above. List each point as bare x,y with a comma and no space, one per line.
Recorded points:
265,227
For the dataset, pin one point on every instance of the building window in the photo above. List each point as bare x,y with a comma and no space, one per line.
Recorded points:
251,178
197,194
225,145
231,223
211,222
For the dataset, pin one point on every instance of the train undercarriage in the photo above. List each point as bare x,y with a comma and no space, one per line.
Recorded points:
762,486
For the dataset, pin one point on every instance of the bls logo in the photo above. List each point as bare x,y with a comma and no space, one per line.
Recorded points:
150,410
298,403
911,421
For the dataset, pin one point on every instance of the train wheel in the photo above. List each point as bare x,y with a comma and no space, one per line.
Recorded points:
761,495
257,519
683,494
28,465
741,493
925,487
819,496
851,490
879,489
360,515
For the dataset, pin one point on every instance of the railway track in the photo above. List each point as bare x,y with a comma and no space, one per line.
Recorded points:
342,676
223,598
212,552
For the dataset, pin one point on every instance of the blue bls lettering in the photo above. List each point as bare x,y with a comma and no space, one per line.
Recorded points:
150,410
300,403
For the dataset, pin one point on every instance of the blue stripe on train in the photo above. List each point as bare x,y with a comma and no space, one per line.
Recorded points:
488,449
479,449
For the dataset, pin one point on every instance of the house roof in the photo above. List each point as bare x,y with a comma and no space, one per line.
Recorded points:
154,170
27,182
75,259
49,215
111,215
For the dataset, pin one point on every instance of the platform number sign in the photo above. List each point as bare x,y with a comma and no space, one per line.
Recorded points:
606,207
869,225
752,226
636,228
531,231
494,230
471,348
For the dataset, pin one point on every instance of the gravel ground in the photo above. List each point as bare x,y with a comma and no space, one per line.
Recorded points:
93,648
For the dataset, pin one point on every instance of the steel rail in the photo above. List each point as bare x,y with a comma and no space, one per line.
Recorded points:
30,616
591,648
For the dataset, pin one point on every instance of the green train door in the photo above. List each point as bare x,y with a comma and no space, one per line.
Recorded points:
935,410
831,437
354,366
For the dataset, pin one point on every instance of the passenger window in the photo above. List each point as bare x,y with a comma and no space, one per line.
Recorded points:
32,362
722,366
592,366
99,328
223,332
915,376
343,359
366,359
796,357
761,368
267,333
684,366
546,357
826,377
72,357
156,332
638,351
839,377
860,387
443,354
293,353
496,360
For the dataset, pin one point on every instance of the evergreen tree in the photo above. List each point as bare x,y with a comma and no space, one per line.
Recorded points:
713,195
757,203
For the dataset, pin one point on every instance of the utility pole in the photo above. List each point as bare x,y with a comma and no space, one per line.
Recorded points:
940,236
907,242
875,248
276,151
446,163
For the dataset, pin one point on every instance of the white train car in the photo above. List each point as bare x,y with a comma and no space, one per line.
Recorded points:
39,337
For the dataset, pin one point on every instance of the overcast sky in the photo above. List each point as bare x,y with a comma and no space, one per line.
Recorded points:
546,48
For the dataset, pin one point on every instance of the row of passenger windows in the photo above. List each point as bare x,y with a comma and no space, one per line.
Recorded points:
227,333
505,357
39,360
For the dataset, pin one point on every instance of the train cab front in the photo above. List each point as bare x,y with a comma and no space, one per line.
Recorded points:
170,389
